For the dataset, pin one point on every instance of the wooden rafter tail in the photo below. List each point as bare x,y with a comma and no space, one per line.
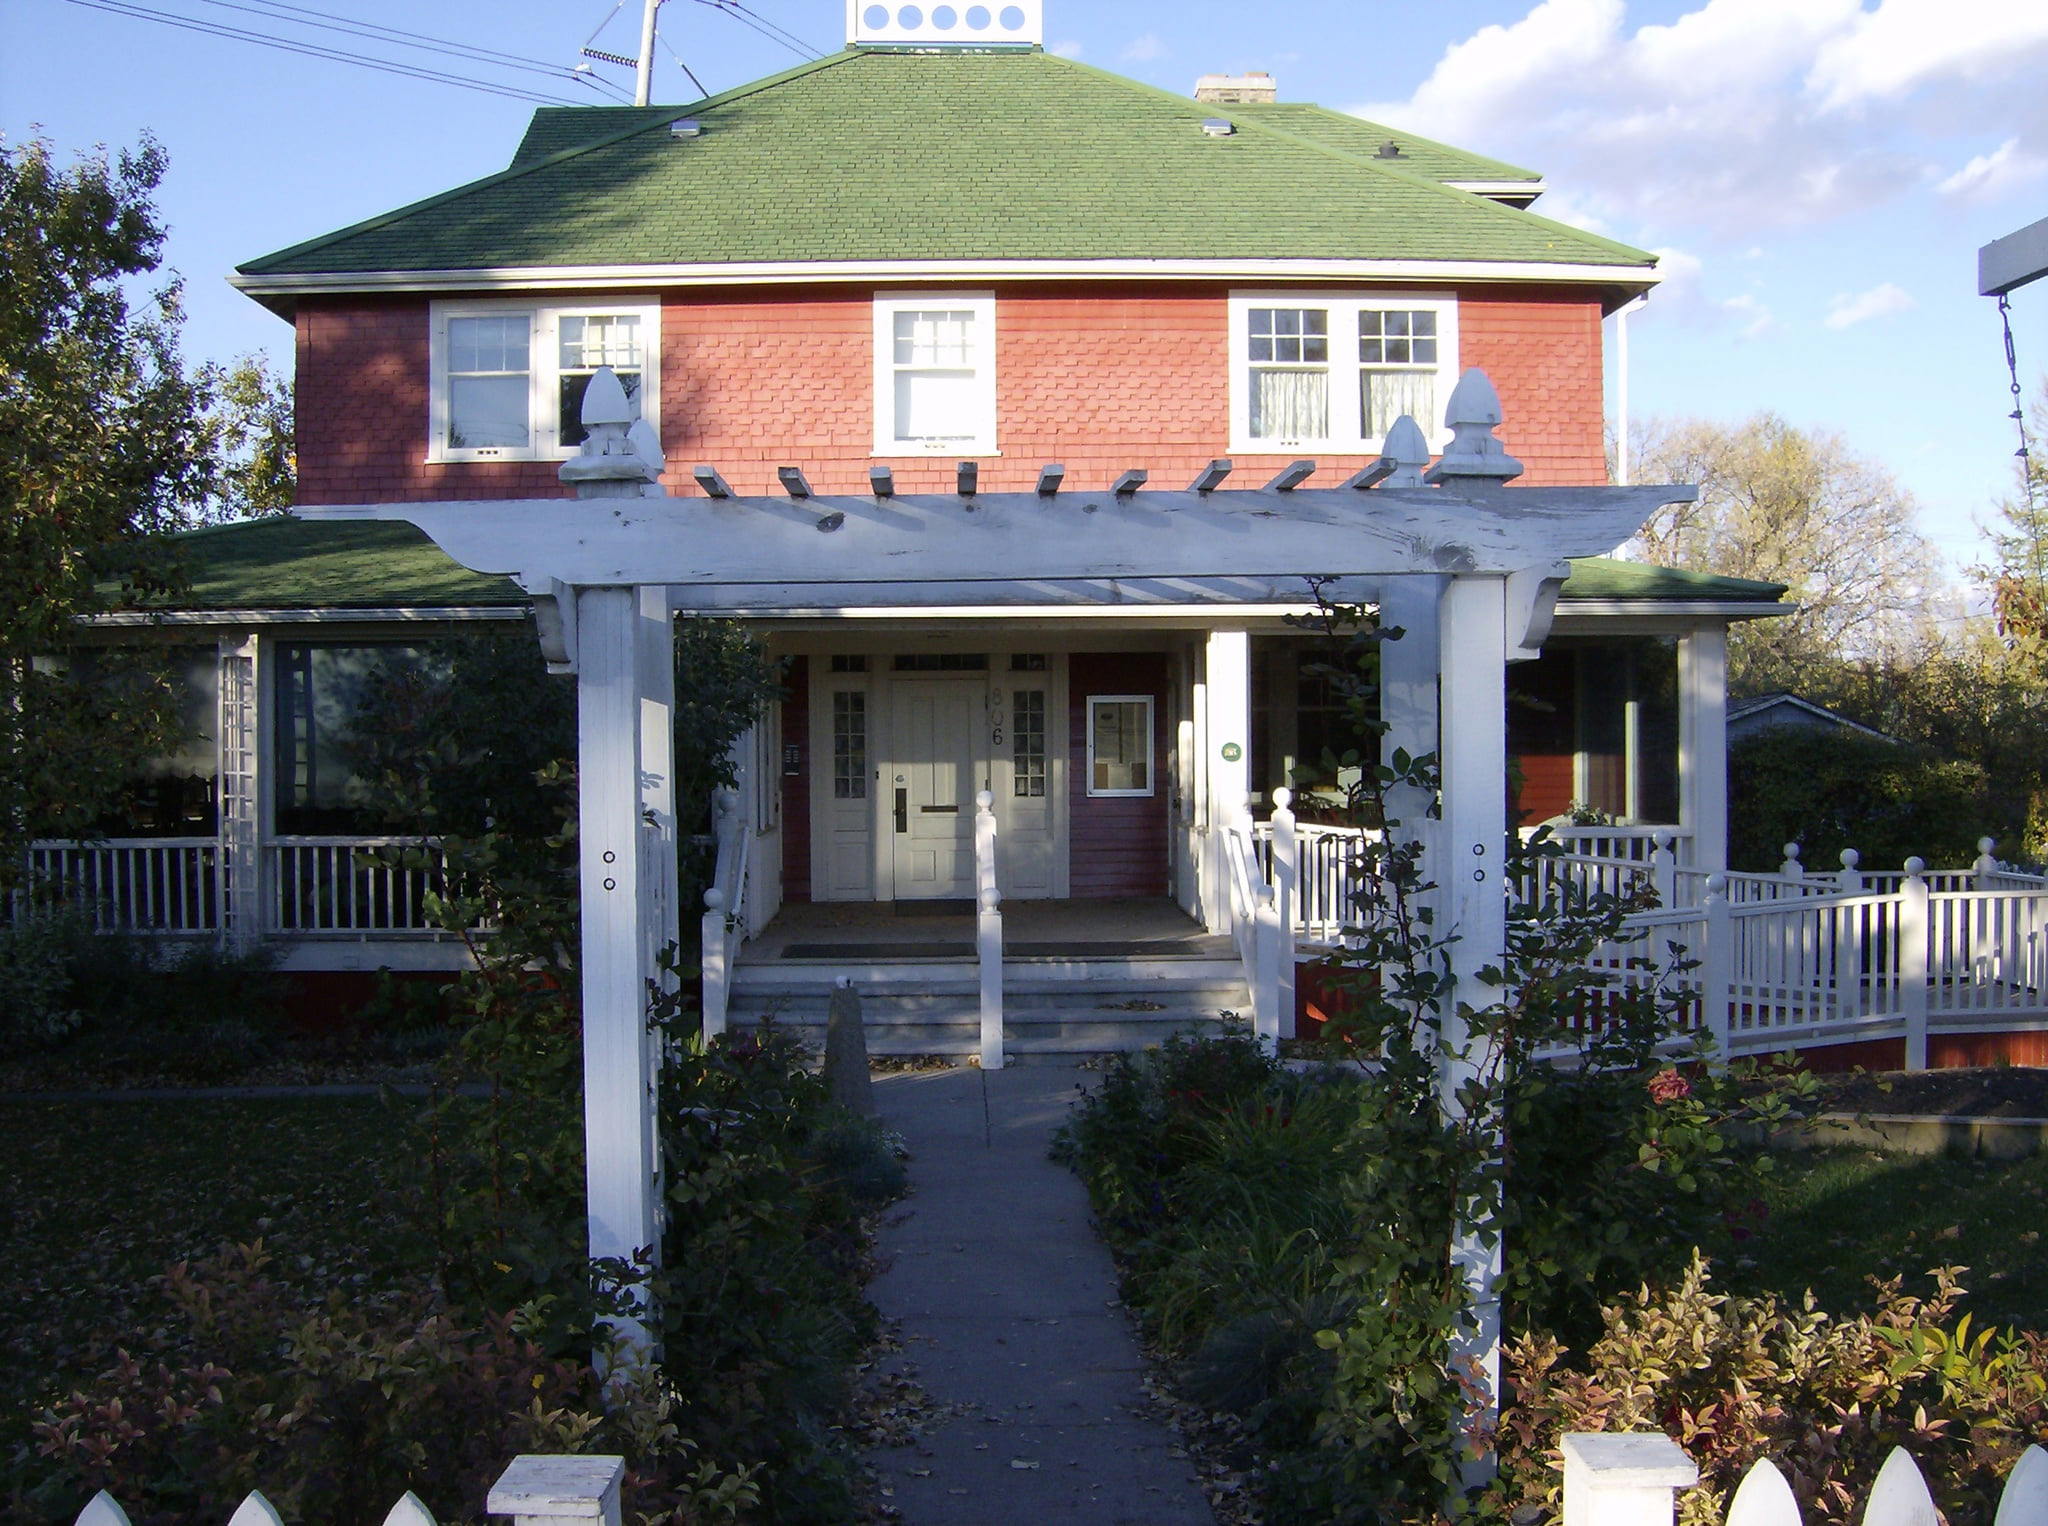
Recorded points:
1050,476
714,486
967,475
1130,482
1292,476
1211,477
1372,476
881,482
793,482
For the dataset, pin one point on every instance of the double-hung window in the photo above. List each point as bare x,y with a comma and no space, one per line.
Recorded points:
935,377
1332,372
509,377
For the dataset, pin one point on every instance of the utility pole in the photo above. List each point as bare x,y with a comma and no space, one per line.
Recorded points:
643,85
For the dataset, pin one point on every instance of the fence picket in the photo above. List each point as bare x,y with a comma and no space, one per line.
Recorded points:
103,1510
1900,1497
1763,1498
2026,1492
256,1511
410,1512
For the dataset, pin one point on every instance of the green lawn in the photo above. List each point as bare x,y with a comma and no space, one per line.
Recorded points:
102,1196
1837,1216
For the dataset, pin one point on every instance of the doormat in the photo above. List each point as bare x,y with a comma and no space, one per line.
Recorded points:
962,908
871,951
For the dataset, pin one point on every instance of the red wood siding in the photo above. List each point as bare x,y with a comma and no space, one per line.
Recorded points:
796,787
1117,843
1100,377
1542,735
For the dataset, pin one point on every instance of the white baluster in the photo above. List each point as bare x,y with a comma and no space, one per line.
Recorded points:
1717,968
256,1511
410,1512
1287,901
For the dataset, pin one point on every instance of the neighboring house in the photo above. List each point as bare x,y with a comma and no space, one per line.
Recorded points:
1782,710
953,263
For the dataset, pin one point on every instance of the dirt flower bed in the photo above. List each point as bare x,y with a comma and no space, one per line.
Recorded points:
1984,1091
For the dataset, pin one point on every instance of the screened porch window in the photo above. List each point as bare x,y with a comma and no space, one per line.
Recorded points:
345,718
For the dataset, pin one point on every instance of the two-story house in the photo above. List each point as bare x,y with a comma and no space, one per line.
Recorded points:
942,260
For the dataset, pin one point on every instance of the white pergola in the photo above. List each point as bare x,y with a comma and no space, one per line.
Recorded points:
1469,567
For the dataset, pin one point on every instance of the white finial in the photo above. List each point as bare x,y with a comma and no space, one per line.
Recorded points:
1791,868
1915,867
1407,448
1472,415
640,435
610,465
1851,858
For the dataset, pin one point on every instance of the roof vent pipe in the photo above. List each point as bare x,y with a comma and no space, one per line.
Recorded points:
1218,127
687,127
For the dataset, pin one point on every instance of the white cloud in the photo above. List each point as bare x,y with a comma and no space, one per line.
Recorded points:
1755,319
1068,49
1882,301
1990,176
1738,115
1143,49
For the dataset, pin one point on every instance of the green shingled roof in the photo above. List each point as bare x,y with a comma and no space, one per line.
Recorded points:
285,563
280,562
1356,136
883,154
1605,577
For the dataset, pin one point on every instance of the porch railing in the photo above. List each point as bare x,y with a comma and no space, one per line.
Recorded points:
168,885
1265,942
350,885
724,927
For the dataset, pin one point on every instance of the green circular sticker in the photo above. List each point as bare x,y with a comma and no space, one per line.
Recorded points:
1232,752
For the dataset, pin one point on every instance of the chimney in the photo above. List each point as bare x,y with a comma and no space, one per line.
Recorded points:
1252,89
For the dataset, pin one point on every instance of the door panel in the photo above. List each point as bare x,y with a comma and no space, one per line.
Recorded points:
932,783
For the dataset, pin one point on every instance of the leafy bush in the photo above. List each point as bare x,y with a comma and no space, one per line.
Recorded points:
41,951
335,1409
1734,1379
1830,790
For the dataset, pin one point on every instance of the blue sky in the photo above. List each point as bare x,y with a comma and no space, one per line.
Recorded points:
1818,174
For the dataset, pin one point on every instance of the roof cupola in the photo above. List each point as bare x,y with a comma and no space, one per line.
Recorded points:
997,24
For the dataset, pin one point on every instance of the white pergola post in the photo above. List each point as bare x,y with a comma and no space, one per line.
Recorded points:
1468,867
618,691
1227,698
1703,745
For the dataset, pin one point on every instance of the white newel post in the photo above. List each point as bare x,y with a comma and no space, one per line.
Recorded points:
1664,867
1790,869
1228,696
1703,745
1286,900
555,1491
1913,961
1623,1478
1985,868
1717,968
988,931
1469,869
242,809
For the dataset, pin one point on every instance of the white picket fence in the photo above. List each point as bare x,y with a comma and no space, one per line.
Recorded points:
1633,1479
532,1491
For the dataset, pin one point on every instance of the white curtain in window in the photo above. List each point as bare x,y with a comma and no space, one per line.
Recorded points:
1290,405
1386,395
935,405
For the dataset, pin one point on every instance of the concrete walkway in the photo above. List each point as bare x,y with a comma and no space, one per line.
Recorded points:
1006,1303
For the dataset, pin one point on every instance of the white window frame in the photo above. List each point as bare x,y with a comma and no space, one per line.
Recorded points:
1151,740
1343,308
543,338
982,304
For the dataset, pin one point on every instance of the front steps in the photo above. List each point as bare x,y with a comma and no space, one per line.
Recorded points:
1054,1008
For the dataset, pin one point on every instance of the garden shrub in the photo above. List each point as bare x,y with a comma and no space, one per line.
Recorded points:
1733,1379
41,951
1830,790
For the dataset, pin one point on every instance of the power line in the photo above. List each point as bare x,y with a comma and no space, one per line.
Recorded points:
377,32
333,55
672,53
761,24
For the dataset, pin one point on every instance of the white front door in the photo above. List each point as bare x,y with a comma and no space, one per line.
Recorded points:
928,788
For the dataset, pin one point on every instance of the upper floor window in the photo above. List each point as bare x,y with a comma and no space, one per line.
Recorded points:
935,377
1316,370
509,378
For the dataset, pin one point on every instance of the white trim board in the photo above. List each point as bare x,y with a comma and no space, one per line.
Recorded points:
828,272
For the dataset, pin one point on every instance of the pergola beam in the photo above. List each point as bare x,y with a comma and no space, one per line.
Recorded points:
2006,264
